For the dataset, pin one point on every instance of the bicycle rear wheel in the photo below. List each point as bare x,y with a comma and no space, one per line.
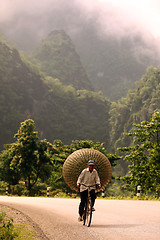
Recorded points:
89,213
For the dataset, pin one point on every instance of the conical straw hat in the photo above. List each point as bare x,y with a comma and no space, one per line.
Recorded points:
78,160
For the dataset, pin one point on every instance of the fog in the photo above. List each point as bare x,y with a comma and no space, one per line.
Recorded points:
28,22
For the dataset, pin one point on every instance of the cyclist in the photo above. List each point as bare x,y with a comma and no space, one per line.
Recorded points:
88,177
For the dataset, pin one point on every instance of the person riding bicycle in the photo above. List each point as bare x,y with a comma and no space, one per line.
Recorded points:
88,177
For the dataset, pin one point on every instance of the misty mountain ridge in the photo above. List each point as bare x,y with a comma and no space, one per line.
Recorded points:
58,58
112,65
114,48
112,62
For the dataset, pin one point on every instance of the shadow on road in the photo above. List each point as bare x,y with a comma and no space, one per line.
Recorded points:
115,226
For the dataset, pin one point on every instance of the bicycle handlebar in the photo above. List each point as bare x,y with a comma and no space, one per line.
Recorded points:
88,186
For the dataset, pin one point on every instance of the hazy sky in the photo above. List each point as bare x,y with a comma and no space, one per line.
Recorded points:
118,17
143,15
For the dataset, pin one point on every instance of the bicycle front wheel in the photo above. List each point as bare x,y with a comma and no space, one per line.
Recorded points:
89,213
85,212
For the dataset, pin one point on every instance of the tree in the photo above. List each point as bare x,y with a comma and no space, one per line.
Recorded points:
8,175
144,156
31,157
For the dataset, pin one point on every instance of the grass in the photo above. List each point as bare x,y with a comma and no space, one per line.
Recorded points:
150,198
118,197
23,233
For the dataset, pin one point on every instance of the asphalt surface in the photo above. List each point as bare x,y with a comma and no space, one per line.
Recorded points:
112,220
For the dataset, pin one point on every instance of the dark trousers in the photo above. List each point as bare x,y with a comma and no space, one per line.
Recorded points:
84,196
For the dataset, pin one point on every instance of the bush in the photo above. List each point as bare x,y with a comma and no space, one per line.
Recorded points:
40,189
3,186
7,231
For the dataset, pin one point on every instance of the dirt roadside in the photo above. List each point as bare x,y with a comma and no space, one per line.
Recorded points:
21,219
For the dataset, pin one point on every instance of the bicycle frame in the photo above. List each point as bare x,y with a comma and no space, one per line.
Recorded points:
87,214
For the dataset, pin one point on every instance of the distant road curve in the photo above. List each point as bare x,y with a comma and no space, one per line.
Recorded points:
112,220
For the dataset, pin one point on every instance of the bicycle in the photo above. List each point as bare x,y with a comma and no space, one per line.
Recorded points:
87,214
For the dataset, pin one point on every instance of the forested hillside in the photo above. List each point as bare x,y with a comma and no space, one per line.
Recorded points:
57,57
21,89
59,111
137,106
68,114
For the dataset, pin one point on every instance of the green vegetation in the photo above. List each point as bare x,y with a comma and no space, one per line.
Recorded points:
68,114
27,159
137,106
20,89
30,157
7,230
24,233
144,157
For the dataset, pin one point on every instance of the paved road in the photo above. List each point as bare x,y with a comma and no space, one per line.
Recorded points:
112,220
